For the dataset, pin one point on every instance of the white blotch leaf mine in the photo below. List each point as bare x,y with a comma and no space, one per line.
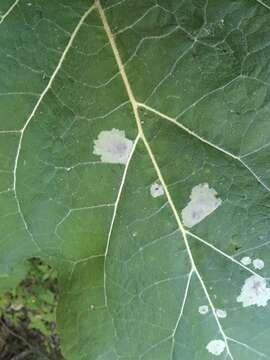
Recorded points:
216,347
258,264
203,309
246,260
221,313
113,146
203,202
254,292
156,190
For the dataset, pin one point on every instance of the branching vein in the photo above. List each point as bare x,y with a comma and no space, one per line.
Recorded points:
114,214
135,107
263,4
6,14
40,99
209,143
181,311
223,253
251,349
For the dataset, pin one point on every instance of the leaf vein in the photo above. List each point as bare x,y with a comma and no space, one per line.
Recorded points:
114,213
192,133
6,14
135,107
43,94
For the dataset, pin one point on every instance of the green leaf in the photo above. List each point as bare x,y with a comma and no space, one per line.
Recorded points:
134,157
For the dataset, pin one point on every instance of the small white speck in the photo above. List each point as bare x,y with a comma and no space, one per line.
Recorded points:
216,347
203,309
258,264
156,190
254,292
203,202
113,146
221,313
246,260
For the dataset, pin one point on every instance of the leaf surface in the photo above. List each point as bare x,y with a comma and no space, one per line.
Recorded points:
134,157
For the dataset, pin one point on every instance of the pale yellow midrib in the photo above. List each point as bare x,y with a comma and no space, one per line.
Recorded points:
135,107
138,120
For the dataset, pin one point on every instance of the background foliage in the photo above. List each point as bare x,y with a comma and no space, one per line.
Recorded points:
27,326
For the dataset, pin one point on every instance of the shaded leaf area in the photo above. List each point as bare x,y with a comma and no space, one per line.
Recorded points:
27,324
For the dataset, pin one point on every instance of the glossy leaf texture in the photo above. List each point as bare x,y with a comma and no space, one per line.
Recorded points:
134,156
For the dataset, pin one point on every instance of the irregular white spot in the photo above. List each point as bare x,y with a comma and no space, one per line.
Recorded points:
156,190
246,260
221,313
203,202
254,292
203,309
113,146
258,264
216,347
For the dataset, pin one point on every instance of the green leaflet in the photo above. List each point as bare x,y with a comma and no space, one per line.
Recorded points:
115,117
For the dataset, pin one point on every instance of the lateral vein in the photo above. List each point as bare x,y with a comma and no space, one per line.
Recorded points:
5,15
263,4
223,254
115,212
135,106
43,94
200,138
